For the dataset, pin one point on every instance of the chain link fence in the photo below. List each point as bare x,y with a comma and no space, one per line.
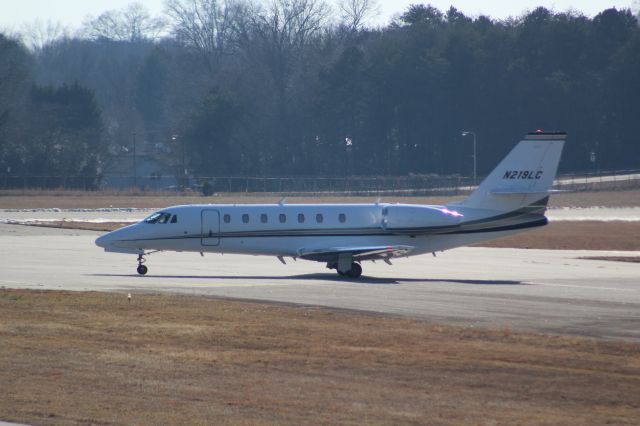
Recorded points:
599,181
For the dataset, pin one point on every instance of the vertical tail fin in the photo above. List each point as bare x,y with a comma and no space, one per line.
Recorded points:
523,177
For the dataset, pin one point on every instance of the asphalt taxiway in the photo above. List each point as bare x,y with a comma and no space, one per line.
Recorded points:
547,291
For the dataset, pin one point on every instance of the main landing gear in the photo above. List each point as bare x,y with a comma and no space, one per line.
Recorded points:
354,272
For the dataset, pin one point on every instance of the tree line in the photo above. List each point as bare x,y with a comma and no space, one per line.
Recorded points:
296,88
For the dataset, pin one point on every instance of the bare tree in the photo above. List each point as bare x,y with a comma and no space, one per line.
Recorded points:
276,40
133,23
356,13
206,25
15,81
281,31
37,34
291,23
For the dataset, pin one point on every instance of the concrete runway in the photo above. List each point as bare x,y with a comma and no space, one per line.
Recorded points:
532,290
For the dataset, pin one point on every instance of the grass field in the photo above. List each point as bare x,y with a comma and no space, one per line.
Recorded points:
93,358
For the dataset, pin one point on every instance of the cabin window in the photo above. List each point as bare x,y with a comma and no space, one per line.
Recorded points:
264,218
319,218
226,218
342,217
174,219
300,218
245,218
282,217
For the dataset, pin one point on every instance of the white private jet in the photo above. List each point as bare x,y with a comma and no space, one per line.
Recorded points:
512,199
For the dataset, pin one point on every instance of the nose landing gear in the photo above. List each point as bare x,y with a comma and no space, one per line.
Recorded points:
142,270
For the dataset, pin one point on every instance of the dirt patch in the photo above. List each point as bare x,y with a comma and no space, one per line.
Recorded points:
630,259
78,358
85,226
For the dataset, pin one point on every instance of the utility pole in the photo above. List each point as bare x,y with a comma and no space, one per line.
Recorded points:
183,179
184,166
135,164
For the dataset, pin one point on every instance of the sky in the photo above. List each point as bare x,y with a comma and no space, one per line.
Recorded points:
15,13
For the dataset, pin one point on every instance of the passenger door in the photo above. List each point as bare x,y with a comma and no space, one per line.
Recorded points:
210,227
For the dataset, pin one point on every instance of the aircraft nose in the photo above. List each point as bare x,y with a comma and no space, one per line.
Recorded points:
104,240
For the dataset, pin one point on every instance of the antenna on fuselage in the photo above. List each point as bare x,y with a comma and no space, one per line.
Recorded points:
282,201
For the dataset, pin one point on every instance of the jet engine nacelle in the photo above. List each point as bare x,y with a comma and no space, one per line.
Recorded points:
410,217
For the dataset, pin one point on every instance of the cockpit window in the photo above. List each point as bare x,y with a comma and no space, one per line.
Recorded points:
174,219
153,218
158,217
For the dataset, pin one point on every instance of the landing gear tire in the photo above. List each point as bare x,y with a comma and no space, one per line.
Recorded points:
355,271
141,268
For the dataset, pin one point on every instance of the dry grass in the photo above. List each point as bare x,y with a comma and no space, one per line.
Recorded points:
629,198
92,200
95,200
628,259
585,235
92,358
86,226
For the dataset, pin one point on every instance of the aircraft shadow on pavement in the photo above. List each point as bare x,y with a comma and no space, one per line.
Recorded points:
324,277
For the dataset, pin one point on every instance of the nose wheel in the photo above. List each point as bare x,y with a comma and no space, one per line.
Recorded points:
142,270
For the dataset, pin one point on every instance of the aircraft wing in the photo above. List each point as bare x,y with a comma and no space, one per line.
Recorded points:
357,253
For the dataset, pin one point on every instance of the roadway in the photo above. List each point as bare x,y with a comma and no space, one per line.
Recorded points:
529,290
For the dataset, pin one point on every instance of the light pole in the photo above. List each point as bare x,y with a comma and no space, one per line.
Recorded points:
348,142
475,157
185,176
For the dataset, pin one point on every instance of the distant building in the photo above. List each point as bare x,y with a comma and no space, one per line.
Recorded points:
150,173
